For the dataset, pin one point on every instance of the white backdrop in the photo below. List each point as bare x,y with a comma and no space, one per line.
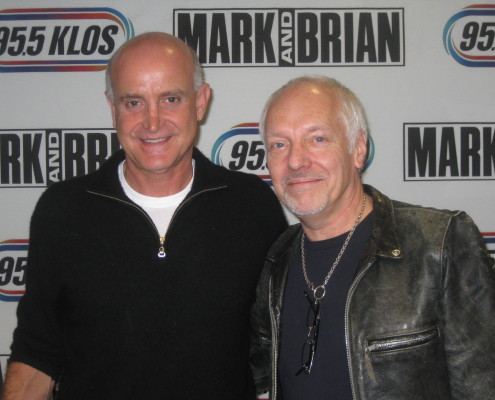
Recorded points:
429,94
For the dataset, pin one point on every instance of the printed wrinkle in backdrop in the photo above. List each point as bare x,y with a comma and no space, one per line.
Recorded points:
424,70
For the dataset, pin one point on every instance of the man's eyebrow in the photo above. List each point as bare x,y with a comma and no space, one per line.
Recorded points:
128,96
316,128
308,129
177,92
273,134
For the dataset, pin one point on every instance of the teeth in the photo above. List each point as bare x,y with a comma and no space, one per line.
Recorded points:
154,140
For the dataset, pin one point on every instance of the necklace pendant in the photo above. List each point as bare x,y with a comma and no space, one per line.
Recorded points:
319,292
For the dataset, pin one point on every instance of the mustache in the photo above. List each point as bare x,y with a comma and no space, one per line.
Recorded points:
302,175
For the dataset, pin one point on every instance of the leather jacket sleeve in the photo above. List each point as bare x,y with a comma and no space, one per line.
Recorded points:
261,334
468,311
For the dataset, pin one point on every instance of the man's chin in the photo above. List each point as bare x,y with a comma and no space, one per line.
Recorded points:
301,210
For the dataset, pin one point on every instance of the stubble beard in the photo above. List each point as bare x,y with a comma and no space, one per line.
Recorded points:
299,210
294,205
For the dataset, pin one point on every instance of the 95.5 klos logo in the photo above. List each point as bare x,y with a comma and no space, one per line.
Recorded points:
60,39
13,262
241,149
469,36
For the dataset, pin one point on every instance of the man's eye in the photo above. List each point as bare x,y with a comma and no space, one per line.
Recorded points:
133,103
320,139
172,99
277,145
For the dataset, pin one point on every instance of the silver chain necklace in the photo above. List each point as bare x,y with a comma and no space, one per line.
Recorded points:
321,288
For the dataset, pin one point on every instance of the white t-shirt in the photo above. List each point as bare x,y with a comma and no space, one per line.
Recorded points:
160,209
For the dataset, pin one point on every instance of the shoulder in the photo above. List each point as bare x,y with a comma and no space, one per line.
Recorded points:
69,196
427,215
407,212
103,179
61,192
420,226
244,184
247,182
434,226
285,241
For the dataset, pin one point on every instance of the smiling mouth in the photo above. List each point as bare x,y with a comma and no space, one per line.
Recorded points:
301,182
154,141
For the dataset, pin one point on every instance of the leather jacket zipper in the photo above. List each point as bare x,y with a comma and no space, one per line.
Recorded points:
161,239
274,341
346,322
396,343
402,341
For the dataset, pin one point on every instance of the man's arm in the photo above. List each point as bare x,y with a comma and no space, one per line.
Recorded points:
259,357
468,311
26,383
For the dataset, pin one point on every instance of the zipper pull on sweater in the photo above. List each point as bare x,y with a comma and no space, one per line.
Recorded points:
161,249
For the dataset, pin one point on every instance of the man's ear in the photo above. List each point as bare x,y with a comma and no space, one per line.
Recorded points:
112,108
361,150
202,99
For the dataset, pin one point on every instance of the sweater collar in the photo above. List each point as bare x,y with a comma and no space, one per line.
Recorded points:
106,181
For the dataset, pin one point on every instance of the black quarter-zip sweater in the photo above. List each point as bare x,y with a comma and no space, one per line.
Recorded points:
108,318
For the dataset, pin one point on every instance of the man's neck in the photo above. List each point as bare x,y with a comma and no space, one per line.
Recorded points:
159,184
338,220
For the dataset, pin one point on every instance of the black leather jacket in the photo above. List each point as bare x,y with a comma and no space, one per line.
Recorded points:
419,315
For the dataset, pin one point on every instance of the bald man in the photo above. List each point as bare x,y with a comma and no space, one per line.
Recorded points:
141,275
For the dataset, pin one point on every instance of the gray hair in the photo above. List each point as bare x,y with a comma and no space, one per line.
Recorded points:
352,112
198,75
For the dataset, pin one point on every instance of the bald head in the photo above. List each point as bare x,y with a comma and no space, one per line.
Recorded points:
154,41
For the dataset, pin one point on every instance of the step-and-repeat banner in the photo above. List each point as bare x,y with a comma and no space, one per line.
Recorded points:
424,70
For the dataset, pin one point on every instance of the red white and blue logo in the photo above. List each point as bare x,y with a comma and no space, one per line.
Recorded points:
13,261
490,242
60,39
241,149
469,36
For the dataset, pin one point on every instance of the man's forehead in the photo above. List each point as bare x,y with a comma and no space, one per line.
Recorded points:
158,51
310,103
306,95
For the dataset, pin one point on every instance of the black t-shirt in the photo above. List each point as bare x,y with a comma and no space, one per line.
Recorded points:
329,377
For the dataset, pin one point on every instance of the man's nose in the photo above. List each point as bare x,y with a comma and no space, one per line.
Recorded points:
298,156
152,118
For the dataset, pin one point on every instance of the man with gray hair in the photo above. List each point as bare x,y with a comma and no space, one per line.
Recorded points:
367,298
141,275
